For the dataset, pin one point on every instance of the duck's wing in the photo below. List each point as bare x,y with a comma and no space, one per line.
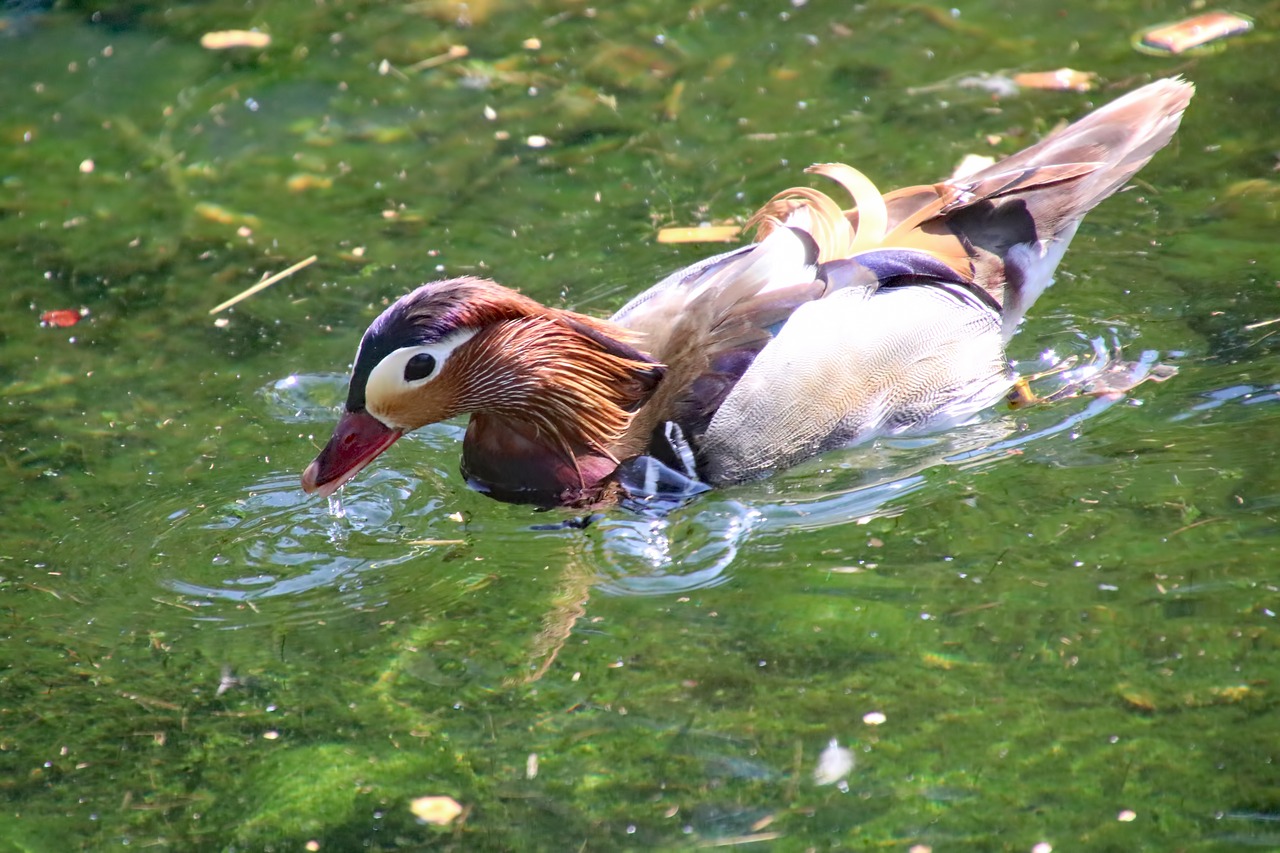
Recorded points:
901,342
768,351
708,322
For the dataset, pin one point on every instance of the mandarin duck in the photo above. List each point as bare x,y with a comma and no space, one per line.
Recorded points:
835,327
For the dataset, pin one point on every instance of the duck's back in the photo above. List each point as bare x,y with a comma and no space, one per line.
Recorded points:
855,365
765,370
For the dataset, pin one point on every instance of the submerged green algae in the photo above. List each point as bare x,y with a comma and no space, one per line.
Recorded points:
1063,619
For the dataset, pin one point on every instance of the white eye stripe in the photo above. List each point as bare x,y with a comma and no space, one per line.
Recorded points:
386,381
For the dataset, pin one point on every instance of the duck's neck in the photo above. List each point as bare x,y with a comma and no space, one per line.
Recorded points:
551,399
512,459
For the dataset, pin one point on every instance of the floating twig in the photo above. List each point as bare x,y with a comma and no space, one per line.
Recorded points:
1195,524
264,284
455,51
700,234
739,840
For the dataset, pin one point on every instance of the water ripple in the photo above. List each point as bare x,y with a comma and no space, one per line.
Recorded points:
1244,395
272,542
305,398
278,543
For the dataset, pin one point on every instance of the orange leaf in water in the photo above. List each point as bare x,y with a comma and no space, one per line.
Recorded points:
1191,33
61,318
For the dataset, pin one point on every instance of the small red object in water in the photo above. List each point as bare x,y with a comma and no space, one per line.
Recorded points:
63,317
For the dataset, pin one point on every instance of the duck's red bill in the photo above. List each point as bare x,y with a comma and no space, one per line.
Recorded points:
357,440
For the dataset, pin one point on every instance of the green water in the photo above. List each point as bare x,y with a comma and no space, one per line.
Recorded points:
1064,615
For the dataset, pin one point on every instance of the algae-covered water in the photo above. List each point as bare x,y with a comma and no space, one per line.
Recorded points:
1057,627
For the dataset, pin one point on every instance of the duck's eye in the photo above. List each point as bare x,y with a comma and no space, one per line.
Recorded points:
421,366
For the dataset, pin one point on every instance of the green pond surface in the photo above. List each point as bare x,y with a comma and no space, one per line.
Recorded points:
1053,630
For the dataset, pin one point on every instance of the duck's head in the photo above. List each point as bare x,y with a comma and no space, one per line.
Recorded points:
469,345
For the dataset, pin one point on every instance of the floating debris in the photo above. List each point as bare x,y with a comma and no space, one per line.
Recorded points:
834,764
874,718
304,181
63,317
264,284
1137,699
211,212
1064,79
1008,86
1191,33
455,51
438,811
700,234
227,39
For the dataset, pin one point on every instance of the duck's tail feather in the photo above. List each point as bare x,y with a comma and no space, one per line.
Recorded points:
1004,227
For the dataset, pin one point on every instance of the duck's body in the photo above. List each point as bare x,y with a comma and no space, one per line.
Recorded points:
837,326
